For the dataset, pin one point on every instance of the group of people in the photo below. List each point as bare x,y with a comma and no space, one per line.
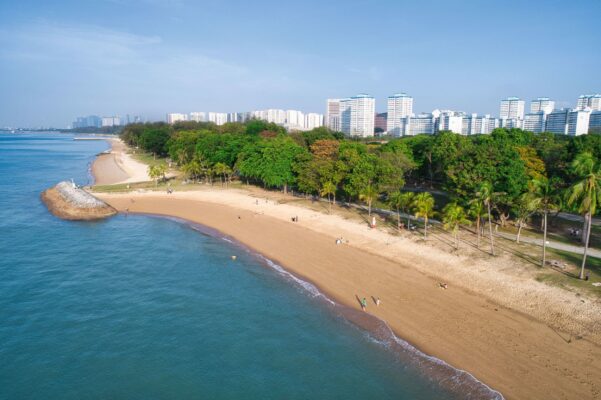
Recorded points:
575,232
364,303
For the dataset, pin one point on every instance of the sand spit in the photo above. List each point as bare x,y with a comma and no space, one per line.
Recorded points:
68,202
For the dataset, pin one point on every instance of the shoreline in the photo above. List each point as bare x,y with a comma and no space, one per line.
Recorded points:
456,381
505,348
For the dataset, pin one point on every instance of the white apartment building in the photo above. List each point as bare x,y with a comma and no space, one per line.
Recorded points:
333,114
542,104
423,123
512,108
357,115
592,101
217,118
313,120
197,116
535,121
172,118
399,106
510,123
578,122
295,120
450,121
478,125
111,121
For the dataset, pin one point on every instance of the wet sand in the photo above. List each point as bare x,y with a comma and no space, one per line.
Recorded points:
118,166
508,350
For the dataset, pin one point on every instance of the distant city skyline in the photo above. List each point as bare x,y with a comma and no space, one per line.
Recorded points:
148,57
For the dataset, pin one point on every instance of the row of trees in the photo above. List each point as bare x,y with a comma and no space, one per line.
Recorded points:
507,175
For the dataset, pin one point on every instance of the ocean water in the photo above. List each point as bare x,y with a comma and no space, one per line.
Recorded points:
140,307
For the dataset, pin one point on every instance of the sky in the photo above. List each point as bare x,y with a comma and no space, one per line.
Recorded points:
63,59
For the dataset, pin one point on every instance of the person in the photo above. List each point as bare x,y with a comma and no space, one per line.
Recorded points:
257,202
378,302
442,285
363,304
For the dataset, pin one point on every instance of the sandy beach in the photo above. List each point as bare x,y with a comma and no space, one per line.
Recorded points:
118,166
520,337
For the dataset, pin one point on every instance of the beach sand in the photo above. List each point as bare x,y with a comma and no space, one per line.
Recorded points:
521,337
118,166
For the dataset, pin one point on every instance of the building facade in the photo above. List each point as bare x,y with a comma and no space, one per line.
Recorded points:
512,108
535,121
333,114
591,101
399,106
217,118
111,121
172,118
557,122
578,122
197,116
542,104
357,115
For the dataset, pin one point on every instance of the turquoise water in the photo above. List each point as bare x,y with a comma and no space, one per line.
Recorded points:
140,307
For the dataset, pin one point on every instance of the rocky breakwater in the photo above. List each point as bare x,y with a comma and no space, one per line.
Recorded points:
73,203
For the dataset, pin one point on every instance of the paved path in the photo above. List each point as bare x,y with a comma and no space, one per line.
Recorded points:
552,244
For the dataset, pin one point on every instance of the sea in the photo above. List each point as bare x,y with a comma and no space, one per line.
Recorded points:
141,307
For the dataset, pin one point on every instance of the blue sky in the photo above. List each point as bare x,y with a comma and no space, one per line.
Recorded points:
61,59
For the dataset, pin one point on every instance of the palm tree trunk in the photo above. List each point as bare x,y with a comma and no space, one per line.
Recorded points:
478,232
398,219
492,244
425,228
519,232
588,236
456,240
584,229
369,208
544,238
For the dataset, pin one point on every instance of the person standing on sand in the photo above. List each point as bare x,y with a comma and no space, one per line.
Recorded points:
363,304
378,302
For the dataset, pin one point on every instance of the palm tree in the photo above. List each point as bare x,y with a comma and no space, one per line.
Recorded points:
485,194
395,201
223,171
368,194
328,189
156,172
544,199
585,195
423,207
407,199
477,211
193,168
453,216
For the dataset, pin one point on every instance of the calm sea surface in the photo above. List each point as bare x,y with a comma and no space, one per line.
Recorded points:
147,308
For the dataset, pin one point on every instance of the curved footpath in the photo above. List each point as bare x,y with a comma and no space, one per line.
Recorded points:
504,347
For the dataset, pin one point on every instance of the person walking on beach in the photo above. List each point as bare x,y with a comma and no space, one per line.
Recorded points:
363,304
377,302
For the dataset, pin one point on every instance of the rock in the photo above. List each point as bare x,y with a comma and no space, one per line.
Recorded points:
68,202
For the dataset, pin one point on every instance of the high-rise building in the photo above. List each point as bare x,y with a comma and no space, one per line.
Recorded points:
295,120
420,124
172,118
399,106
217,118
475,124
313,120
198,116
111,121
512,108
333,114
450,121
91,121
535,121
592,101
542,104
358,115
557,122
381,122
594,122
578,122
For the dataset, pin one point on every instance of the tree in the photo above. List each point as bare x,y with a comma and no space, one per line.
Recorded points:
477,211
368,194
453,216
485,194
328,189
194,168
406,202
157,172
544,199
522,209
586,194
223,171
395,201
423,207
